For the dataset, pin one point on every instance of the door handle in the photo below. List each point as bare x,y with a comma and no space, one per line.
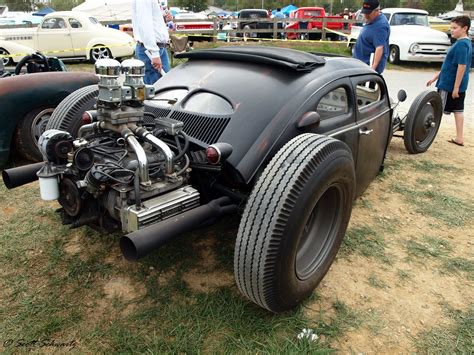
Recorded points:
365,132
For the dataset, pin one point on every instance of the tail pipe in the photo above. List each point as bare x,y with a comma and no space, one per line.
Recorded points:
22,175
139,243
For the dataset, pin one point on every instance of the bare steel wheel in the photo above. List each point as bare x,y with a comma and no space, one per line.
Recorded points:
100,52
423,121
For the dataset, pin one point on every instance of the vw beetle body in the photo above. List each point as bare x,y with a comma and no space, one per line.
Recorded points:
292,137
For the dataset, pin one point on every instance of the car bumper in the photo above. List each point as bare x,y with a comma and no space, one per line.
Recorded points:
424,57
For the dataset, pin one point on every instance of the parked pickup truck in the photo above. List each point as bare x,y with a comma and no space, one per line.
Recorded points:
411,38
317,14
252,20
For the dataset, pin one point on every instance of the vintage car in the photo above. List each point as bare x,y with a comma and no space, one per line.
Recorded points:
251,19
439,24
197,27
198,148
72,35
11,52
315,15
411,38
26,103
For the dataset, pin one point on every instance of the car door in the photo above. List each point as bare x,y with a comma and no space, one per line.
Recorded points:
335,107
81,34
54,37
373,125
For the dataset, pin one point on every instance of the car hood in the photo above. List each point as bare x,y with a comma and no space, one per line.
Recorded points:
420,33
9,32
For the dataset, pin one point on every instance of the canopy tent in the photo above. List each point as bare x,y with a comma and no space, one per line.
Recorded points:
107,10
458,11
287,9
43,12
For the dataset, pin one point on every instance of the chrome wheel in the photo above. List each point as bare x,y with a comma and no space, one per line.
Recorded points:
5,60
100,53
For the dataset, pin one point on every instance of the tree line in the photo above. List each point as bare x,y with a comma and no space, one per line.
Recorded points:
434,7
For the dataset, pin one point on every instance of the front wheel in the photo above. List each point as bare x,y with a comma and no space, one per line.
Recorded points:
99,52
394,55
294,222
423,121
6,60
28,131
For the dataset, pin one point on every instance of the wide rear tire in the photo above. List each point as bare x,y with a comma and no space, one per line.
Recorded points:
68,115
423,121
294,222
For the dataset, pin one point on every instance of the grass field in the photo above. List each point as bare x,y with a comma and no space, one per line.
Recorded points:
402,282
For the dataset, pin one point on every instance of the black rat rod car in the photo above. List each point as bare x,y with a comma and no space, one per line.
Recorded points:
292,137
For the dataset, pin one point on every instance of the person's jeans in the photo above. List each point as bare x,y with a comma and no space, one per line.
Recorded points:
152,75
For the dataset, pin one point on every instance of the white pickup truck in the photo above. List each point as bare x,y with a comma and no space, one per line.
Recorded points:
411,38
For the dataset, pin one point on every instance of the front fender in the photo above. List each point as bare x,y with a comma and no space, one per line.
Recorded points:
116,45
23,93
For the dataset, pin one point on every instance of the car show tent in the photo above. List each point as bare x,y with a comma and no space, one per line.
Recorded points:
107,10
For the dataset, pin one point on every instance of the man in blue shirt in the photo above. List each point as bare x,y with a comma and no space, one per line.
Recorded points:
373,38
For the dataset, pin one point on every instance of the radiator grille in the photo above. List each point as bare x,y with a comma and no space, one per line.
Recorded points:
207,129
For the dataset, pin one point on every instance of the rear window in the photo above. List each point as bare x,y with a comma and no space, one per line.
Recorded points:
94,21
257,14
208,103
170,97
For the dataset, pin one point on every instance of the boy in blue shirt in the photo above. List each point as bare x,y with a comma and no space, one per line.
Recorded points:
453,78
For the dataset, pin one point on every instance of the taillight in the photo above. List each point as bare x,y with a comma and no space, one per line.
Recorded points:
218,152
213,155
87,118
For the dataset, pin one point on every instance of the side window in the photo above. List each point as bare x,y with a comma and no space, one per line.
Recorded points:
367,93
333,104
74,23
53,23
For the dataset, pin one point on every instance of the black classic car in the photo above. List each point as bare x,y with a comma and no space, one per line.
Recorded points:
290,144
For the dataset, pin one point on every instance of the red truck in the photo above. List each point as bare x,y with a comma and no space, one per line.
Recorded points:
317,14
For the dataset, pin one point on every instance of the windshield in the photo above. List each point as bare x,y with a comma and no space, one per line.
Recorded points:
409,19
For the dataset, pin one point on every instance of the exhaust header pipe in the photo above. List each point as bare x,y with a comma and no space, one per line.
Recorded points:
22,175
139,243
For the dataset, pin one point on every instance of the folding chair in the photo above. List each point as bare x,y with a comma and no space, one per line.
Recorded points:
178,44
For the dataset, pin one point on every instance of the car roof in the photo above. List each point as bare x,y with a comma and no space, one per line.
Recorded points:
392,10
78,14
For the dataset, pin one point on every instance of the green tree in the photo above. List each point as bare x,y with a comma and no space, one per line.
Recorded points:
64,5
19,5
193,5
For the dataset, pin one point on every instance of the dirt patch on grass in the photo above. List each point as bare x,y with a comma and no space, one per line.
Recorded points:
206,278
408,287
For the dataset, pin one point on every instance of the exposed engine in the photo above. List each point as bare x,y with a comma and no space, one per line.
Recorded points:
118,173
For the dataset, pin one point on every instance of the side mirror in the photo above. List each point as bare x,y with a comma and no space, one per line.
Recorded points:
311,118
402,95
